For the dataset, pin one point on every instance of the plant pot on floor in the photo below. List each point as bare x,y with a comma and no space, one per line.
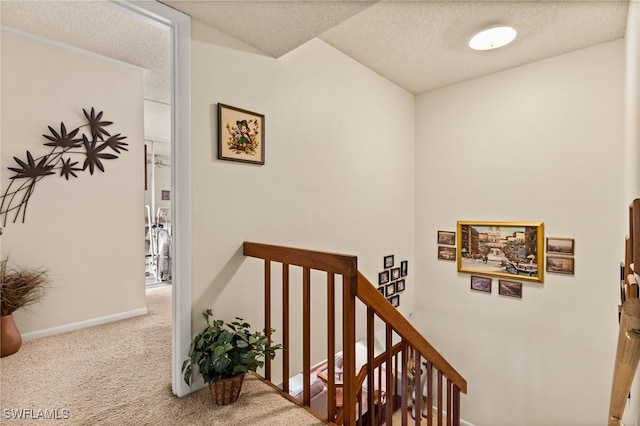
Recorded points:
10,337
226,391
223,352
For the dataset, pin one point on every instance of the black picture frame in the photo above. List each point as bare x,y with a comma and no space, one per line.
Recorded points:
395,274
404,268
390,289
510,288
400,286
240,135
388,261
383,277
481,283
447,238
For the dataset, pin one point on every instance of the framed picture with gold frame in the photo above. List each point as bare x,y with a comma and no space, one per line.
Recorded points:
502,249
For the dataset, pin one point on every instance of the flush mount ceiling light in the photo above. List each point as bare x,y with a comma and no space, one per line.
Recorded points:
492,38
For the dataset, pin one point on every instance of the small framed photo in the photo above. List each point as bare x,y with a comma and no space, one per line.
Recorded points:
404,268
446,253
388,261
165,195
391,289
561,265
447,238
240,135
383,277
381,289
399,286
395,301
510,288
395,273
481,283
562,246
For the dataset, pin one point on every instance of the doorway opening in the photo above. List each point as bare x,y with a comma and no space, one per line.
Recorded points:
179,26
158,221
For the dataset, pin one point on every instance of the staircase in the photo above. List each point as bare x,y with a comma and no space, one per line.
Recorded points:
628,347
408,375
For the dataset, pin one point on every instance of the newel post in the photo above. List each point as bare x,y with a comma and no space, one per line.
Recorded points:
627,357
349,286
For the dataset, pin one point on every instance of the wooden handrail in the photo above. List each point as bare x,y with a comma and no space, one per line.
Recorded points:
627,357
628,346
382,393
371,297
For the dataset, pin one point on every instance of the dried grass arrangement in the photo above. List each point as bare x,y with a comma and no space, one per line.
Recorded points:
20,286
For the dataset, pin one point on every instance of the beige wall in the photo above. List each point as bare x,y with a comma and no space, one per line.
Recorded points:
338,173
542,142
632,150
83,230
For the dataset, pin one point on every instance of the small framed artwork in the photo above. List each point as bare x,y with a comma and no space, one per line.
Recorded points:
388,261
395,301
240,135
382,290
395,273
391,289
563,246
447,238
561,265
510,288
446,253
404,268
383,277
166,195
399,286
481,283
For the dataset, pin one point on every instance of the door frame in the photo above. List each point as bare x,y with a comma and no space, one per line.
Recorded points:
179,26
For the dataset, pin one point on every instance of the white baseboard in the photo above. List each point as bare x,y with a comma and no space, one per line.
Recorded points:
83,324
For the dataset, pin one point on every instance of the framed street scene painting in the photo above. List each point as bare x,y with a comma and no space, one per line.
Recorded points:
503,249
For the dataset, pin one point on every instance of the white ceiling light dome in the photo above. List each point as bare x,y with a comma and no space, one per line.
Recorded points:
493,38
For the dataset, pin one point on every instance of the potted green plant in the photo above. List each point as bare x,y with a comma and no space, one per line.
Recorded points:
19,287
224,352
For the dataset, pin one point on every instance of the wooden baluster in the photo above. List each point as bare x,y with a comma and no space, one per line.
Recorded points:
370,367
306,336
634,222
404,382
349,285
267,314
285,327
388,376
429,368
331,345
449,401
456,406
439,398
417,389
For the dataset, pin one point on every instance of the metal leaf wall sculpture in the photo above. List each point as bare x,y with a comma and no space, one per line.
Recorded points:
95,144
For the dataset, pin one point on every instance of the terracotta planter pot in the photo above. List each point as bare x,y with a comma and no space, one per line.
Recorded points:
226,391
10,337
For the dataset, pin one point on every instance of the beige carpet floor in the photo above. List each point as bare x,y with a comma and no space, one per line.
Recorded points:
120,374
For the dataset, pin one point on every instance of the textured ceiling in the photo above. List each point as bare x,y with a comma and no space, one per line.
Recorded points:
419,45
99,28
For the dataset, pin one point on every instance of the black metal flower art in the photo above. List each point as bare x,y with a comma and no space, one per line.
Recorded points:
65,147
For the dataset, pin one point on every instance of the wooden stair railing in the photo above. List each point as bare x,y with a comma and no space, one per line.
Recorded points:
628,346
390,382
